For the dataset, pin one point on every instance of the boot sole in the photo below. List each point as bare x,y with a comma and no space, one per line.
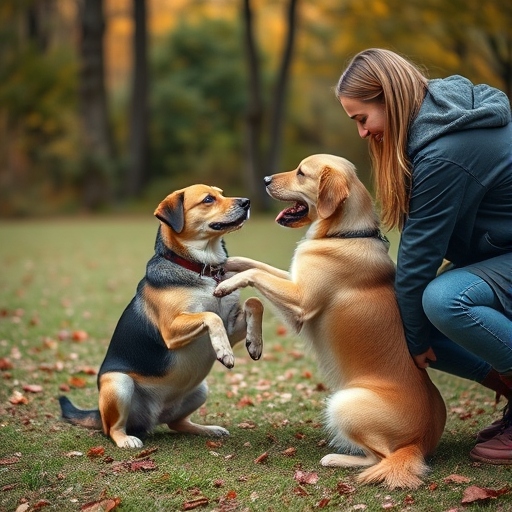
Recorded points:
495,462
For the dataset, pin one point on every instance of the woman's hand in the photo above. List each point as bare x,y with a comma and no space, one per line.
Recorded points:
424,360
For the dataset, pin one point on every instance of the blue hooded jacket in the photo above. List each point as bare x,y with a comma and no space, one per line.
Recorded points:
460,149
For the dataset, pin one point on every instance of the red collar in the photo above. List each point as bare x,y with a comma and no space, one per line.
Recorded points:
203,269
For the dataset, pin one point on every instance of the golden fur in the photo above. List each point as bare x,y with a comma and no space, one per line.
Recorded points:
385,413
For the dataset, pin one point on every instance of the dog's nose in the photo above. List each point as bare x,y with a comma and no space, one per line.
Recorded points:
267,180
244,203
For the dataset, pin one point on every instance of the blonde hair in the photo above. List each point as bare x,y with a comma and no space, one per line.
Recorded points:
386,77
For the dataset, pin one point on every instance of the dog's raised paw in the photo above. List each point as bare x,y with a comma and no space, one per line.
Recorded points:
254,347
228,360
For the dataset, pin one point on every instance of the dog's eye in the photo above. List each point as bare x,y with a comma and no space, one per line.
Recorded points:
300,173
209,199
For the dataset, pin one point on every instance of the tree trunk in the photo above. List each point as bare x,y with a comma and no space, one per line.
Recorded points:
254,115
138,150
97,141
279,100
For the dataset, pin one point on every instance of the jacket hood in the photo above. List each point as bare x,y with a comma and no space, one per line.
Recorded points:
454,104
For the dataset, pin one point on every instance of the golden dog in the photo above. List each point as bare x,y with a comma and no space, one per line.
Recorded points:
170,334
385,413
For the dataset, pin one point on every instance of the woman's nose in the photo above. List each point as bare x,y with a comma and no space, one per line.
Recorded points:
363,132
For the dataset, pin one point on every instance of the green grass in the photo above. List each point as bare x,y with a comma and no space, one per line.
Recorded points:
78,275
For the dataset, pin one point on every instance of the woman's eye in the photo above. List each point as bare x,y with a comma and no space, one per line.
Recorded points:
208,199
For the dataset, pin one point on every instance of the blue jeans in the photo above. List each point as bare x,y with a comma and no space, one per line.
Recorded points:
472,332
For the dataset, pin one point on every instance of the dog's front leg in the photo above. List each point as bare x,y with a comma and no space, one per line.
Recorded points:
239,264
284,295
188,326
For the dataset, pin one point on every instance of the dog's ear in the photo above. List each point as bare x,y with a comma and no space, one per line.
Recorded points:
171,211
332,191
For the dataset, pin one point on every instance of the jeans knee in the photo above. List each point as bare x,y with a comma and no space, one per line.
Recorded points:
437,303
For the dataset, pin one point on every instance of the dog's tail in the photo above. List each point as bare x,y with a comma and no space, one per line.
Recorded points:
86,418
401,469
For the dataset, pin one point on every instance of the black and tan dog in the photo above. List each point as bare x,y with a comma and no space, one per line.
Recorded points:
169,336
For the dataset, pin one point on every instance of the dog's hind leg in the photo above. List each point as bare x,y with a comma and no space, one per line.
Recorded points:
248,325
191,403
116,392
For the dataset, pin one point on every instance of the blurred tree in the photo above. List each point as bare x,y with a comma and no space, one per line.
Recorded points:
255,110
98,158
38,129
138,169
198,90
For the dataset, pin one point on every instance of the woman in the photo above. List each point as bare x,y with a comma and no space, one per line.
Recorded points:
441,152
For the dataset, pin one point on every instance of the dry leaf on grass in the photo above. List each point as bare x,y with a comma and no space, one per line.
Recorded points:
262,458
146,452
143,465
305,477
95,451
457,479
198,502
18,398
104,505
475,493
32,388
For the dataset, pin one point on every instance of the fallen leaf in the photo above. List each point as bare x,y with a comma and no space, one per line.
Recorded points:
262,458
18,398
304,477
104,505
199,502
289,452
247,425
33,388
300,491
9,460
457,479
144,465
79,335
146,452
475,493
40,504
5,364
23,507
245,401
73,454
77,382
323,503
344,488
95,451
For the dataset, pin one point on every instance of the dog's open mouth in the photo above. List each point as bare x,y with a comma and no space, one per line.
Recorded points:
293,214
223,226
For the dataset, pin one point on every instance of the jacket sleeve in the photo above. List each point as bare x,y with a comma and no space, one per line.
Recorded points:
437,193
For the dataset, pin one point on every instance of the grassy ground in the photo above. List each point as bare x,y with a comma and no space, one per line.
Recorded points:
63,285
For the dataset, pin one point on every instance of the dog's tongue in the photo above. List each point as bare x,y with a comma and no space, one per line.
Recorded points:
290,212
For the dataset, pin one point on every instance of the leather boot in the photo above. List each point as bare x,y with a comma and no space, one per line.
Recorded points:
495,382
495,442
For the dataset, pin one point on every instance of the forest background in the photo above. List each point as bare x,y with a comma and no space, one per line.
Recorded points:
108,105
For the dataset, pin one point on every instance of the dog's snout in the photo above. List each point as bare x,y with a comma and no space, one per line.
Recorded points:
244,203
267,180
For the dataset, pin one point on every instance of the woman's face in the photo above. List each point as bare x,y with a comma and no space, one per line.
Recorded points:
370,116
